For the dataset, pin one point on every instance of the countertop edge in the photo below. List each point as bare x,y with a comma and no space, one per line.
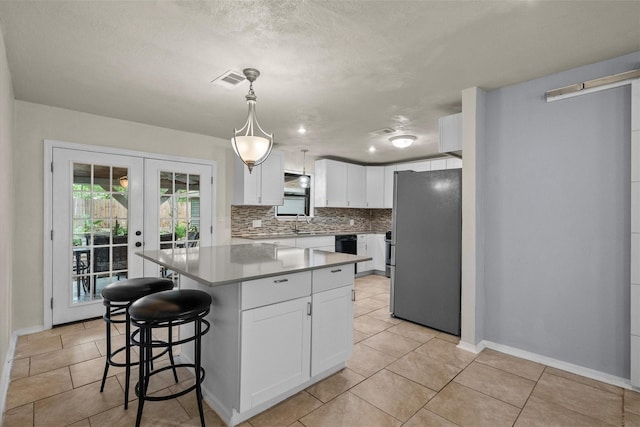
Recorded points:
360,258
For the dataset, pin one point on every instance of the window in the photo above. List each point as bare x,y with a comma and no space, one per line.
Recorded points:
296,199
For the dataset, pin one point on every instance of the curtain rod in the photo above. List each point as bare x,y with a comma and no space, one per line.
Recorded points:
594,85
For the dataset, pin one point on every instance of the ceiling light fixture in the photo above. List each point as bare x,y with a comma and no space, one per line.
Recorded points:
305,179
302,130
402,141
372,149
251,143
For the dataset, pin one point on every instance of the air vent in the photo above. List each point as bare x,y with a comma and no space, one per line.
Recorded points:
382,132
229,79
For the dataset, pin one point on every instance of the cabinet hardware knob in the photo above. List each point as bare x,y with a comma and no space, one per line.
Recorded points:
138,244
280,280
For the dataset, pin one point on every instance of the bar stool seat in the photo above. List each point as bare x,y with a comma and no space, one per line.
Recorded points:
117,298
163,309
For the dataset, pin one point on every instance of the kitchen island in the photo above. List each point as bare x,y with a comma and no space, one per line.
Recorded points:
281,320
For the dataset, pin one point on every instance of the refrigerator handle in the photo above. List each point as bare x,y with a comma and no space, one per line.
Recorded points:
394,210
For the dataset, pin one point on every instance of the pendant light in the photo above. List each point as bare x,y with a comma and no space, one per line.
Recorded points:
304,179
251,143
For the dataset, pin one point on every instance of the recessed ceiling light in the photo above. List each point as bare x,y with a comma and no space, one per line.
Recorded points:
302,130
402,141
372,149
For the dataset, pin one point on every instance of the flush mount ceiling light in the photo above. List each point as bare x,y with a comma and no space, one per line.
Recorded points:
402,141
304,178
251,143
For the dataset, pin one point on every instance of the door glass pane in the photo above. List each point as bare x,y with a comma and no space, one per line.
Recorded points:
100,232
179,212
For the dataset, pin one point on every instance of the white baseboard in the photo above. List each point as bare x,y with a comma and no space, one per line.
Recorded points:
5,379
554,363
473,348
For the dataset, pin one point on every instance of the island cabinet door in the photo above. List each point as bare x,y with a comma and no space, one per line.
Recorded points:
276,342
332,328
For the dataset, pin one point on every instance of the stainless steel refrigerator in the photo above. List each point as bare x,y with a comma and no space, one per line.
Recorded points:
426,247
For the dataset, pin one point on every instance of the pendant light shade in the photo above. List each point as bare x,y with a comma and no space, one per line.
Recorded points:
251,143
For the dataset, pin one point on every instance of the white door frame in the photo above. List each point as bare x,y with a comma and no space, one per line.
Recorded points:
49,145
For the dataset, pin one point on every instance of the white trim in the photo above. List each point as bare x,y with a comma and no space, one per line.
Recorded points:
5,379
470,347
559,364
590,90
49,145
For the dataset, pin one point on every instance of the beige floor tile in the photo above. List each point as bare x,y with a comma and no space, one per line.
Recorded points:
296,424
165,413
392,344
359,310
372,303
496,383
64,357
467,407
632,401
211,419
81,337
448,337
26,348
117,341
81,423
22,416
369,325
359,336
95,323
395,395
91,370
37,387
20,368
415,332
287,412
348,410
337,383
189,401
581,398
384,315
77,404
366,361
385,297
447,352
631,419
158,382
584,380
424,370
511,364
56,332
425,418
540,413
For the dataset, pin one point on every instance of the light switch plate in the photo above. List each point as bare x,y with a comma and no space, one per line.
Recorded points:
351,222
257,223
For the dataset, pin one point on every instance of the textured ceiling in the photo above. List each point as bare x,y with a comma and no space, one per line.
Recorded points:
340,68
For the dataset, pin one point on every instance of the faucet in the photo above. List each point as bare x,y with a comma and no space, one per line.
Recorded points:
295,224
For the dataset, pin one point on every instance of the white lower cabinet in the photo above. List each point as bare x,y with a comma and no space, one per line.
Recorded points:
293,327
276,344
332,342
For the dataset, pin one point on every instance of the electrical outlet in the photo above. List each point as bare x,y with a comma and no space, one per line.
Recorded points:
257,223
351,222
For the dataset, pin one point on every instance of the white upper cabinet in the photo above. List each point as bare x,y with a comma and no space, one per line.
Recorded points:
375,186
450,133
439,164
263,186
388,186
356,186
330,184
454,163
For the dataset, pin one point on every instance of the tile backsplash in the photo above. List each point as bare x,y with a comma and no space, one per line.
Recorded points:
325,220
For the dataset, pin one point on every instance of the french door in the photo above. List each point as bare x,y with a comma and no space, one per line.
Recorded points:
107,207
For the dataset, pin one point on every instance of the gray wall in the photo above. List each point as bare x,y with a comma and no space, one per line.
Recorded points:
557,215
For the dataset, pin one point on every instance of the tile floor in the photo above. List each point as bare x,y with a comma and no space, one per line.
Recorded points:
399,374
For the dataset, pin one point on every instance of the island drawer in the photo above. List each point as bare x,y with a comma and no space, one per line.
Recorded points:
271,290
332,277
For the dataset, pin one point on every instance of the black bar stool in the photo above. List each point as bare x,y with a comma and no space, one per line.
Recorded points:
166,309
117,298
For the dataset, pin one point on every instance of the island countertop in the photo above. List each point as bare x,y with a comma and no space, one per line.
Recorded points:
221,265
